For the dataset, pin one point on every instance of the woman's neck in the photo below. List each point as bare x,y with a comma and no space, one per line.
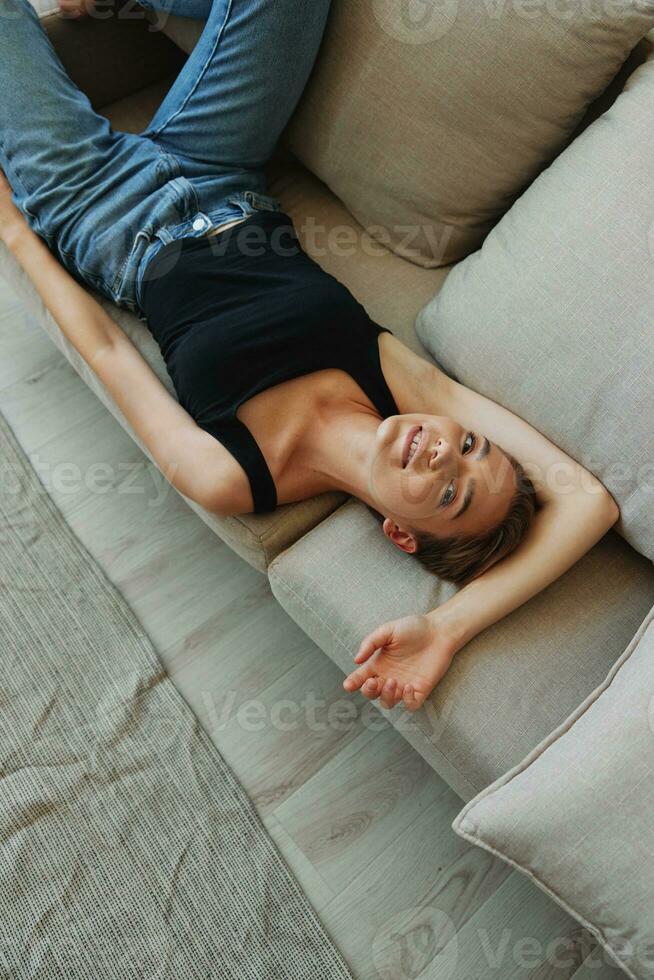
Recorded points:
337,444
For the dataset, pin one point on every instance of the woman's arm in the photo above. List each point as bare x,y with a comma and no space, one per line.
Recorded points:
404,659
574,511
195,463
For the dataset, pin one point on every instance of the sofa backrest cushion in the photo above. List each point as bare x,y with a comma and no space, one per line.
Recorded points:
428,119
554,316
576,816
111,57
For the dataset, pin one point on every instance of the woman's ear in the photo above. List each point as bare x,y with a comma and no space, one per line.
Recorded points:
404,540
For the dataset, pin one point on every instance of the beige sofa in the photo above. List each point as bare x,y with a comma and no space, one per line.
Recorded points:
328,564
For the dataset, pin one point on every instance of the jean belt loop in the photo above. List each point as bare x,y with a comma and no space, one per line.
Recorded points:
164,235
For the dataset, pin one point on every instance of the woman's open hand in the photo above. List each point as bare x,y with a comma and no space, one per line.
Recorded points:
402,661
10,217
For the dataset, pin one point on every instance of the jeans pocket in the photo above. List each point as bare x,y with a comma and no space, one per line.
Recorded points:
125,283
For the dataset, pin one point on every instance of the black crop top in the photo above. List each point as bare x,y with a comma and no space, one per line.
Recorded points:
239,312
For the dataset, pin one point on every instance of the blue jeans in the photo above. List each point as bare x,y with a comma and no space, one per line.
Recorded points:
104,201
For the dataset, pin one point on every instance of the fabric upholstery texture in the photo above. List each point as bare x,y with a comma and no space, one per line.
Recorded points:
127,54
577,814
457,130
509,686
553,316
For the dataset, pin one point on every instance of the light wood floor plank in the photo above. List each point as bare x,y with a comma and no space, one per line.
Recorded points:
367,790
518,934
411,899
38,424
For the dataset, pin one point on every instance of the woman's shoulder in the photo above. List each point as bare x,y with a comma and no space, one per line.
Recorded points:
216,481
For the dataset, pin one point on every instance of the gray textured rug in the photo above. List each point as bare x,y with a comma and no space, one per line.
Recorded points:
127,847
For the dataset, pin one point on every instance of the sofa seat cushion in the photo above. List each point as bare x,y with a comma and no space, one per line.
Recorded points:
553,317
510,686
183,31
576,815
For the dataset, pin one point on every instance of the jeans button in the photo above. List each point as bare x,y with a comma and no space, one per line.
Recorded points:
198,224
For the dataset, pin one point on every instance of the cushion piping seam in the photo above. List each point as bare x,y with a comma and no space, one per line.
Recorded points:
569,722
594,929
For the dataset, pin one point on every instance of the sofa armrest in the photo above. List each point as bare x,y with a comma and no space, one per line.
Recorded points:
110,57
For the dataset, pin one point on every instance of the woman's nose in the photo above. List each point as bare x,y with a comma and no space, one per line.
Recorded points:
440,452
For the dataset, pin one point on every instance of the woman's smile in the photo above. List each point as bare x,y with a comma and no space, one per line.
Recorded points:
412,443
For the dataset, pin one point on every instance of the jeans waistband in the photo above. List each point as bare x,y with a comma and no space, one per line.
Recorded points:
243,203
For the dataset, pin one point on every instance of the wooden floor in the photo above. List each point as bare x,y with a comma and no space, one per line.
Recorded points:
358,815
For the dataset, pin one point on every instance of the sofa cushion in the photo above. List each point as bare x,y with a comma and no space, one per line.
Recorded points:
428,120
577,817
111,57
553,316
430,174
510,686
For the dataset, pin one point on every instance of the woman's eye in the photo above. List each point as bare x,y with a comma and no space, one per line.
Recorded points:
469,442
449,495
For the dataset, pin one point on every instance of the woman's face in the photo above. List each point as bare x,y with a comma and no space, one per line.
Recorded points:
430,474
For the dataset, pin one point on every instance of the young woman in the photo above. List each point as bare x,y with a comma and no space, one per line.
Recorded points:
285,386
